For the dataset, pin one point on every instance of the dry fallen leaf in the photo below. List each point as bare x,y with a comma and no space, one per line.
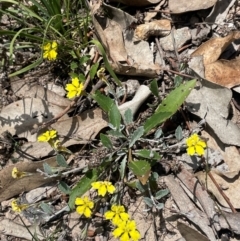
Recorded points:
159,28
10,187
125,56
229,187
190,234
182,6
208,103
137,3
230,155
222,72
75,130
23,89
19,117
8,227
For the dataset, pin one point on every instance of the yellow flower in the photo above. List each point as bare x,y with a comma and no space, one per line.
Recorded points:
117,214
16,207
126,231
47,136
101,74
84,206
57,145
75,88
103,187
19,174
50,51
195,145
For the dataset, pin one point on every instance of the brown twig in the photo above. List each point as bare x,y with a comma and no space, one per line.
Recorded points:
217,186
222,193
178,73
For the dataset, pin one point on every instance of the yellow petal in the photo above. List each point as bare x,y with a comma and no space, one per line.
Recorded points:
71,94
125,237
45,54
80,209
109,215
117,232
70,87
87,213
202,143
191,151
54,45
90,204
75,82
111,189
52,55
102,190
43,138
52,134
135,235
96,185
199,150
47,47
79,201
124,216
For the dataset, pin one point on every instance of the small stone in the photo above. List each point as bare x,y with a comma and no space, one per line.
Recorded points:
181,36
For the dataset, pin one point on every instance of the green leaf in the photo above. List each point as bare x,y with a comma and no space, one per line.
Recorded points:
169,105
161,193
73,65
142,188
93,70
122,167
156,119
148,201
178,80
179,133
106,63
159,206
148,154
104,102
158,133
106,141
176,98
64,188
114,116
83,186
154,88
136,135
61,160
128,117
116,133
48,209
139,168
47,169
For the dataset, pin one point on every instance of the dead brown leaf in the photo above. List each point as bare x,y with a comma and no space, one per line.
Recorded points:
20,117
222,72
137,3
182,6
125,56
229,187
23,89
213,48
159,28
75,130
10,187
189,233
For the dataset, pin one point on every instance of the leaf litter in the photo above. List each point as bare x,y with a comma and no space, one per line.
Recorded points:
155,48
